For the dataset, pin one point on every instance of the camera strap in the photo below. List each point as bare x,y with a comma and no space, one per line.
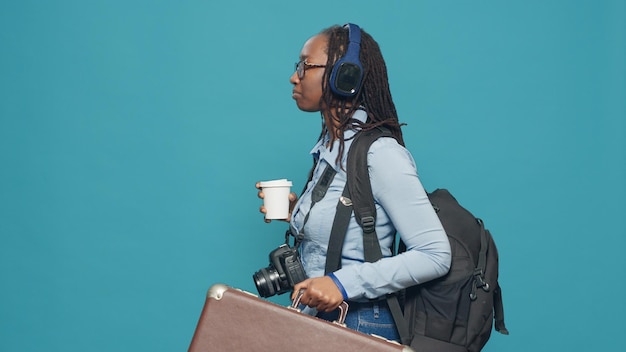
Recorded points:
317,194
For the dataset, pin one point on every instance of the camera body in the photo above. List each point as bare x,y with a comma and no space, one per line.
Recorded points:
285,270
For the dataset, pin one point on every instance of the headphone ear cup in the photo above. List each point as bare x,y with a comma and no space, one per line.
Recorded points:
347,74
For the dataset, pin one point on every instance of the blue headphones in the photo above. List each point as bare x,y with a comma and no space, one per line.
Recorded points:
347,74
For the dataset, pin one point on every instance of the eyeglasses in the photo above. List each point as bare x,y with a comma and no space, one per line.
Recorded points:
302,66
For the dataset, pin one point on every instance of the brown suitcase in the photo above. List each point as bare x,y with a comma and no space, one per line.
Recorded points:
235,320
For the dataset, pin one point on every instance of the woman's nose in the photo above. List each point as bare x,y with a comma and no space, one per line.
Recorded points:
294,79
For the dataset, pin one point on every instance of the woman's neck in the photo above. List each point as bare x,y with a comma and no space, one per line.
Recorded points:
333,123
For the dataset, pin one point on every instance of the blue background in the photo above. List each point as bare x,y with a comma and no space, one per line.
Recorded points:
132,134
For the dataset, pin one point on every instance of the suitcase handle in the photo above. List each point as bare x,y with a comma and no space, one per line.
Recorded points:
343,308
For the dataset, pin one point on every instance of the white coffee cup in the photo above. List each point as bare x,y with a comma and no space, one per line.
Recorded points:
276,198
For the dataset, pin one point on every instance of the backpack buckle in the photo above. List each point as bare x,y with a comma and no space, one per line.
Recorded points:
479,277
367,222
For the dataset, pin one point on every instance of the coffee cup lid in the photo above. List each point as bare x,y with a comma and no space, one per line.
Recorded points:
276,183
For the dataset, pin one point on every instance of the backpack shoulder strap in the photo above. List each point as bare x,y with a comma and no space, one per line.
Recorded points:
360,189
357,191
338,233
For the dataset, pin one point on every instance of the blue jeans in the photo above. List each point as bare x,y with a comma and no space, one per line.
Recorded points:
368,318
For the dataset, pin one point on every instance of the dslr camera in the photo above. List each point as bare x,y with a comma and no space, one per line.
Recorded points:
285,270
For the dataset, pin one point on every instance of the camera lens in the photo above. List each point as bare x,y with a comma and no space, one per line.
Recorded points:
267,281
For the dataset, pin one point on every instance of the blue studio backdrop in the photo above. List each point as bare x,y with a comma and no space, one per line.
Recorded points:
132,134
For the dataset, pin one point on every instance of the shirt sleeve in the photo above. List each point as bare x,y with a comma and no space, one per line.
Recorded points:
398,190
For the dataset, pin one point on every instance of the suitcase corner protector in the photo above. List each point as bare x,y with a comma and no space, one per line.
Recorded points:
217,291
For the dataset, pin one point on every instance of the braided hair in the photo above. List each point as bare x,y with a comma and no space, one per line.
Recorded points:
374,95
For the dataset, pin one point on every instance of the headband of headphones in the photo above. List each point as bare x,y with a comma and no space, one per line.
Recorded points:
347,74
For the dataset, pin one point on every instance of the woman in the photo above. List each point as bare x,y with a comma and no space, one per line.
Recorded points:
401,202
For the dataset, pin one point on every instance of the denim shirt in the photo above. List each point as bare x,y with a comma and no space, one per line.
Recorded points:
402,206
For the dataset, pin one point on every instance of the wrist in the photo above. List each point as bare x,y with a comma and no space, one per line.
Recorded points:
339,286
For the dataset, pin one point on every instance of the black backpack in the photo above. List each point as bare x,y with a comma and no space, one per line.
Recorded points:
453,313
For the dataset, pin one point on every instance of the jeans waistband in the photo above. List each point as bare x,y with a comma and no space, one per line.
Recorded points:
382,302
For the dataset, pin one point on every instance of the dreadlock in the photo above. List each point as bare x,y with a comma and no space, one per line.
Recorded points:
374,94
